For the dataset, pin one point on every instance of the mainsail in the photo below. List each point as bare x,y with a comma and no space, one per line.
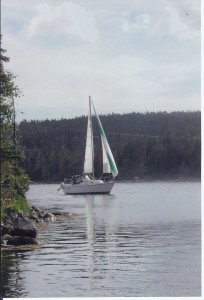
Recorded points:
89,152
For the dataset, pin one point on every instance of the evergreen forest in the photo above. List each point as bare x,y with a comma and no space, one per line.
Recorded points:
14,180
146,146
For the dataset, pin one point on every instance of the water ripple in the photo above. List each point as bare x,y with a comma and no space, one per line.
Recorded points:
112,246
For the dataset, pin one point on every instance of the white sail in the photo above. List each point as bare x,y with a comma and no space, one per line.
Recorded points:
106,166
109,154
89,152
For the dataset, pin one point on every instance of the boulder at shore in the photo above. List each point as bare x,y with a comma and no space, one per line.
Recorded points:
18,229
24,227
21,240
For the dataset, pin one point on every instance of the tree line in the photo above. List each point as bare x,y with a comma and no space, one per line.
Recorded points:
152,145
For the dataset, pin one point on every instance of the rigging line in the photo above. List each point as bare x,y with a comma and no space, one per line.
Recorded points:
154,136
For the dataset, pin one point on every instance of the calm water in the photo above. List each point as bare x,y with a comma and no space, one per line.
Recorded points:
142,240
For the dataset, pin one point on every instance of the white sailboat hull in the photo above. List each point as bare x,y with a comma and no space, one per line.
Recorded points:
92,187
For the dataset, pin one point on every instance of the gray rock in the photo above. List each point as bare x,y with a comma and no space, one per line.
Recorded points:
13,215
6,229
21,240
41,215
49,216
57,213
3,242
33,215
6,237
36,209
24,227
39,220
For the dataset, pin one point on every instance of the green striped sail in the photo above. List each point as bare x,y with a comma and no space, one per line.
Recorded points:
109,154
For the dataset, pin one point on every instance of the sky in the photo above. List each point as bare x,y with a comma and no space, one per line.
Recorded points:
128,55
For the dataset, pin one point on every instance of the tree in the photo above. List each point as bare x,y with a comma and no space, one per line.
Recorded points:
14,181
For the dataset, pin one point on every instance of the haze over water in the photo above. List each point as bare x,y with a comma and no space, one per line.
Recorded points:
142,240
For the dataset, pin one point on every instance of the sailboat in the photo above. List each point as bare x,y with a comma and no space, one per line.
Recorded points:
87,183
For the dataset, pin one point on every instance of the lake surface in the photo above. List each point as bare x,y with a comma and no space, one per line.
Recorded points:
144,239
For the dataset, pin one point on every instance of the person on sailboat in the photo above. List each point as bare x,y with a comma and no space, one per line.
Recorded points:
72,180
76,179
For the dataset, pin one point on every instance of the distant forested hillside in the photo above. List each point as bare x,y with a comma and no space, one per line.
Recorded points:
145,146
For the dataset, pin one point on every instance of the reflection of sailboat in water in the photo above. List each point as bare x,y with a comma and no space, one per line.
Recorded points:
99,238
94,255
90,223
87,184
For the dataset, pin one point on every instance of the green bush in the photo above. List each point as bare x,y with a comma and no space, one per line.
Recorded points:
14,180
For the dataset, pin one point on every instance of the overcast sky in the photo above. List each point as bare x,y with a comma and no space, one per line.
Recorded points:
129,55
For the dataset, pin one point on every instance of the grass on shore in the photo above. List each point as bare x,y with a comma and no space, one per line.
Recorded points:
18,204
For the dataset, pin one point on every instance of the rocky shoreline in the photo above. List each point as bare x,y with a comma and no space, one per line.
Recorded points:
20,229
